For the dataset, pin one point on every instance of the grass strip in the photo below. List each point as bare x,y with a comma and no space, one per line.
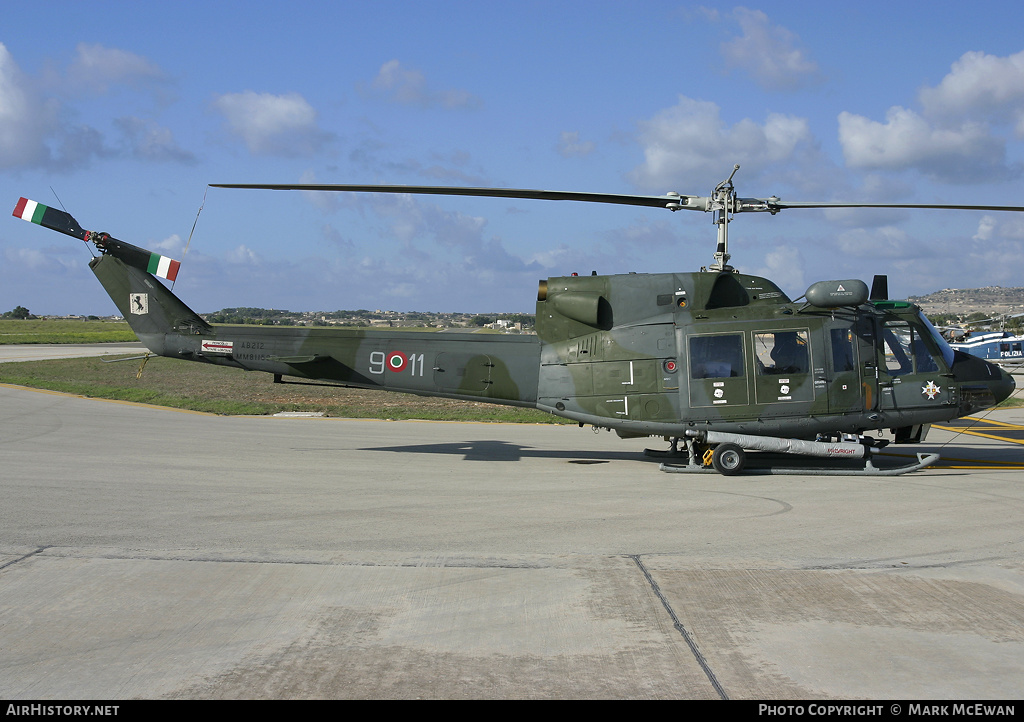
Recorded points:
221,390
61,331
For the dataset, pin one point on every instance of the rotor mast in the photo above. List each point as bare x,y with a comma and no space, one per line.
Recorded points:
723,204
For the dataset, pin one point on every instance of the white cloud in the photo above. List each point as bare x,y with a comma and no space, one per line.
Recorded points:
172,246
25,120
30,258
700,12
886,242
570,145
769,53
408,86
334,237
649,235
50,258
454,235
243,255
35,130
688,145
272,124
98,68
967,152
1004,226
985,227
785,266
147,140
958,136
980,86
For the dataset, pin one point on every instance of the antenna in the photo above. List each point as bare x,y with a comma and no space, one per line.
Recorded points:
58,199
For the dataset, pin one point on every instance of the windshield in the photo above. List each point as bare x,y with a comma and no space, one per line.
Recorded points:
947,352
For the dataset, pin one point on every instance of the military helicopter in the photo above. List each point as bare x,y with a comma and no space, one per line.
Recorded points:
720,361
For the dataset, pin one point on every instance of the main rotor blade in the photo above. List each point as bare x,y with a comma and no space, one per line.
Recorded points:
670,201
621,199
940,206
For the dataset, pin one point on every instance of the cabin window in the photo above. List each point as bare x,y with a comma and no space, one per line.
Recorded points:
782,352
842,350
716,357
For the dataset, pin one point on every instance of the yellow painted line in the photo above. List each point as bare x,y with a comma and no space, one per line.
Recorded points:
978,433
943,462
938,465
986,463
994,423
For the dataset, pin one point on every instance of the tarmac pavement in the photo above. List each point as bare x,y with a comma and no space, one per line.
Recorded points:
46,351
152,553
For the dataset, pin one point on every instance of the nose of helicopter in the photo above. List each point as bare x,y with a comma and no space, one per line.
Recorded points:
1003,388
982,384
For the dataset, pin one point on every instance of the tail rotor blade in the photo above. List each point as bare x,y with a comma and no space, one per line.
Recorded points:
47,217
63,222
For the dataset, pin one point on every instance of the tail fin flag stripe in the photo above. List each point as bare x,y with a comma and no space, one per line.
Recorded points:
163,266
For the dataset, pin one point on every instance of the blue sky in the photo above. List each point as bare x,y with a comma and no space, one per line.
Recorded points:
128,110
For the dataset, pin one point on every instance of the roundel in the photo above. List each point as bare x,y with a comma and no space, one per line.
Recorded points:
397,360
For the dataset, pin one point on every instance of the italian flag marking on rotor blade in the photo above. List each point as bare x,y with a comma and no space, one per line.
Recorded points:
52,218
29,211
163,266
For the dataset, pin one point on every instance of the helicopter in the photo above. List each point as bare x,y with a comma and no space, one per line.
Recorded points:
1000,347
980,339
724,363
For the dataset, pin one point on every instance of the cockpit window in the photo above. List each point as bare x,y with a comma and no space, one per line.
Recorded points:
906,350
896,338
944,348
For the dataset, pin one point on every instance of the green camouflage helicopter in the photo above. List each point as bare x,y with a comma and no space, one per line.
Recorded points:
721,361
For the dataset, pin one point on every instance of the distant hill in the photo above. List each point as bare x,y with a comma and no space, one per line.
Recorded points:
991,301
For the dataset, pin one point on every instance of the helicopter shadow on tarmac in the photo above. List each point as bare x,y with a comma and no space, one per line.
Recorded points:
500,450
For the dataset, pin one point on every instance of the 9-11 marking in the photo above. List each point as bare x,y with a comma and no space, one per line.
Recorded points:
396,361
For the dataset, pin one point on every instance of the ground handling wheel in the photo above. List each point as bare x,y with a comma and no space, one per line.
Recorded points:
728,459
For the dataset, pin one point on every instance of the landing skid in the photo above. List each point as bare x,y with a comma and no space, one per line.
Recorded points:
763,466
708,451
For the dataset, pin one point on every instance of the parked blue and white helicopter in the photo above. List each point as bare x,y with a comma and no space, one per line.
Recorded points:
1001,347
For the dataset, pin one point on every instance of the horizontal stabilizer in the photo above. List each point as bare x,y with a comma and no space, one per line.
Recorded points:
63,222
